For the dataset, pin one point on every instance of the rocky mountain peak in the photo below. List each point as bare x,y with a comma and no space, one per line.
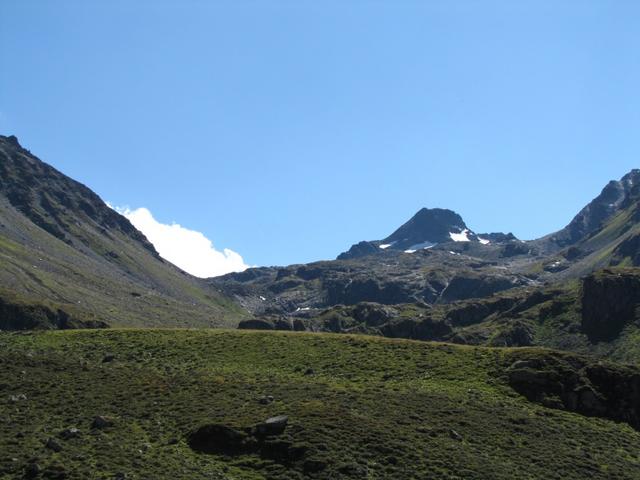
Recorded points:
615,196
428,227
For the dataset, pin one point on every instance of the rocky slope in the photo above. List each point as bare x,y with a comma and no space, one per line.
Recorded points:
390,277
435,259
60,244
598,315
614,198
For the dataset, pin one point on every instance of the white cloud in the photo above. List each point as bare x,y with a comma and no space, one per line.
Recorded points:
188,249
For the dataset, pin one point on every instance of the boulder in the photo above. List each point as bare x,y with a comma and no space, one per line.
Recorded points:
265,400
53,444
101,422
272,426
217,438
69,433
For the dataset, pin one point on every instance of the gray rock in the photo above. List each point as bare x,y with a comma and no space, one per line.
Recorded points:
53,444
272,426
265,400
69,433
100,422
219,439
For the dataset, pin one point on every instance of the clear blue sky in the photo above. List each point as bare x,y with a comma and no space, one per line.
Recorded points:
288,130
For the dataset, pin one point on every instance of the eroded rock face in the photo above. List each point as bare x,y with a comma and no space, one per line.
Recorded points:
610,301
476,286
373,314
18,316
516,334
575,384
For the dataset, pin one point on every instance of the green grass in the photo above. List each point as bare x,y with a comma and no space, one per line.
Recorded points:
384,408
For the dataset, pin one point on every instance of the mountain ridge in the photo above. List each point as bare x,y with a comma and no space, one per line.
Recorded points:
62,245
94,265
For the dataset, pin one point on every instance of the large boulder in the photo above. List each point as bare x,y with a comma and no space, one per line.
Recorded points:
272,426
219,439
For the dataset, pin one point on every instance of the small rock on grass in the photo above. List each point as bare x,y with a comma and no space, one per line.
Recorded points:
110,357
69,433
101,422
53,444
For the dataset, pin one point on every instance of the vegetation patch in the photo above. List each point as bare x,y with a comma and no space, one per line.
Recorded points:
112,404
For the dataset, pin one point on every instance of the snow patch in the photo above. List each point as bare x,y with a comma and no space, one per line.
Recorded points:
460,237
484,241
387,245
303,309
262,298
422,246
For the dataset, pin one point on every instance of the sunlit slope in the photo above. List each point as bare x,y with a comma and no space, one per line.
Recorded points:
61,244
358,407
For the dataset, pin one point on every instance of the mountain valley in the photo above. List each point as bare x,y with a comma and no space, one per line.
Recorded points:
435,352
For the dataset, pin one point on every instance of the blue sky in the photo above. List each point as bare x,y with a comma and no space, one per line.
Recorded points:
288,130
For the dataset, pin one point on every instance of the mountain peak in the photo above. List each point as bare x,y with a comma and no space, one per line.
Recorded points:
11,139
613,198
429,226
426,229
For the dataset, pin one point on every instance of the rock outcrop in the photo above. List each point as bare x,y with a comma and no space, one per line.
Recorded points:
572,383
610,301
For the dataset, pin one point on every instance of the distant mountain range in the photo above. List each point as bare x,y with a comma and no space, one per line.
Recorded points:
426,229
68,260
436,258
